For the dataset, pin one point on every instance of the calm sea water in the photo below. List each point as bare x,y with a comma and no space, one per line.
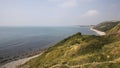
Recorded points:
17,40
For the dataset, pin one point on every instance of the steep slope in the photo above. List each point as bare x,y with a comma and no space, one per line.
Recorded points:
112,49
77,51
114,30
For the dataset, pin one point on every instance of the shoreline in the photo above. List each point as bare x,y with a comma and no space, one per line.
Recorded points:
15,64
97,31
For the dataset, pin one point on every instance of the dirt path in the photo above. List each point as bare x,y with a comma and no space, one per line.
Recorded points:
94,63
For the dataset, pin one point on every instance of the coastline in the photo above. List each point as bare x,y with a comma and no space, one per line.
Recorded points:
97,31
15,64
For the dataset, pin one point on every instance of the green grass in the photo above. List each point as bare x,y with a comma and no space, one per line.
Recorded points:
105,26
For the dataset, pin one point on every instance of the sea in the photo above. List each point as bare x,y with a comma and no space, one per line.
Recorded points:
14,41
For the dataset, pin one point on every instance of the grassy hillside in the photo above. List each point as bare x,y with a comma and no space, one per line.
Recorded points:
114,30
81,51
105,26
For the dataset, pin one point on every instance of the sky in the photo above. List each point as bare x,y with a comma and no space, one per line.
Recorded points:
57,12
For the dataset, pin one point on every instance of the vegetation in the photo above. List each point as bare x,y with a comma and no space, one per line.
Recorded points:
114,30
82,51
105,26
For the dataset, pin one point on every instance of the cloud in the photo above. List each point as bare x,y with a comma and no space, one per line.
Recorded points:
65,3
91,13
68,3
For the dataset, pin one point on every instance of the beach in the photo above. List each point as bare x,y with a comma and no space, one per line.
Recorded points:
15,64
98,32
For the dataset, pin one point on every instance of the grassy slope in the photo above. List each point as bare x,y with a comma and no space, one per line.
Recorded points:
86,51
106,25
116,29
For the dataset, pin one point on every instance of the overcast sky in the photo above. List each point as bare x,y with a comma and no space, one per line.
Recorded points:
57,12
